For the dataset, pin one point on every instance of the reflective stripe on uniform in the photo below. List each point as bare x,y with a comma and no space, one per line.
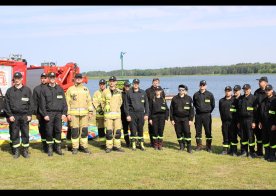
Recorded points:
251,144
49,142
179,138
154,137
259,142
25,145
112,115
209,138
188,139
234,144
16,145
250,108
244,143
225,145
271,112
57,141
43,140
102,139
273,146
198,138
233,110
266,145
160,137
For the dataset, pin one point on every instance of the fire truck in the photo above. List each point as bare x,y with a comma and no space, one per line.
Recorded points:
31,75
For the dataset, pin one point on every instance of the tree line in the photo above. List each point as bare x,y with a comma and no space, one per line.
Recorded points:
241,68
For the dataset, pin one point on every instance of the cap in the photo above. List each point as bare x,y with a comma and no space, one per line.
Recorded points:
136,80
78,75
246,86
154,79
17,75
102,81
183,86
43,75
237,88
203,82
228,88
268,87
113,78
263,78
51,74
127,83
158,88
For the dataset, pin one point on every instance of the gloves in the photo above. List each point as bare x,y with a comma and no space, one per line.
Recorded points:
107,108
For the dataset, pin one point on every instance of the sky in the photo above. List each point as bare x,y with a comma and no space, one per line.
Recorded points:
151,36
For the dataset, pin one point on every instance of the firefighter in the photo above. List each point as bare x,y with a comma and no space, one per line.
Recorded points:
267,123
204,103
181,116
112,101
97,103
36,98
137,111
123,114
226,110
158,115
260,95
80,111
235,131
247,112
150,94
19,108
53,108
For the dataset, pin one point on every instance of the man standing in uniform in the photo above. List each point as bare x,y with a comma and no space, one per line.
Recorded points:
112,101
19,109
260,96
80,110
137,111
226,110
36,98
97,103
150,94
123,114
204,103
53,108
247,112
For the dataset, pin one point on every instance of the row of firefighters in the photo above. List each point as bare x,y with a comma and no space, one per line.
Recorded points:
244,115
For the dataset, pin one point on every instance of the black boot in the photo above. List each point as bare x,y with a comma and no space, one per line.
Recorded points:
25,152
84,150
58,149
181,145
252,153
267,153
225,151
126,137
160,144
151,141
234,151
155,144
44,146
189,147
50,150
272,155
244,150
230,150
16,153
198,144
260,149
209,145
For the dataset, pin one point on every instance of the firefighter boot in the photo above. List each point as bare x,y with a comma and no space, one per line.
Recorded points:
155,144
25,152
260,149
160,144
267,152
244,150
181,145
142,147
272,155
234,151
50,150
224,151
84,150
44,146
126,137
58,149
74,151
133,144
230,150
252,153
16,153
189,147
198,144
209,145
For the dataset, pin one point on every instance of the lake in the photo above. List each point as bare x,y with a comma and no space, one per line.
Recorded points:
215,84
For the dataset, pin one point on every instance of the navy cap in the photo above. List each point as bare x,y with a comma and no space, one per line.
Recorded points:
183,86
136,80
237,88
268,87
158,88
102,81
202,82
228,88
17,75
43,75
264,78
246,86
78,75
113,78
127,83
51,74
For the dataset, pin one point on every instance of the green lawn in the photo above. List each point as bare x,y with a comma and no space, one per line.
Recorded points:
167,169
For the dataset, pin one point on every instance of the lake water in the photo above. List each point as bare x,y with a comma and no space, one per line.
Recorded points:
215,84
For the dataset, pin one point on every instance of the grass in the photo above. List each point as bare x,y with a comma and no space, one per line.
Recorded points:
167,169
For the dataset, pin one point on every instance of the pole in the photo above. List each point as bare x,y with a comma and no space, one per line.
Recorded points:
122,63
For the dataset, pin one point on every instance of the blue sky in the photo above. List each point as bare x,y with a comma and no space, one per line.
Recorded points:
152,36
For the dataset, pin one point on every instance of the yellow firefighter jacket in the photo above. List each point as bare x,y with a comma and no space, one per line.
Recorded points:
112,103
